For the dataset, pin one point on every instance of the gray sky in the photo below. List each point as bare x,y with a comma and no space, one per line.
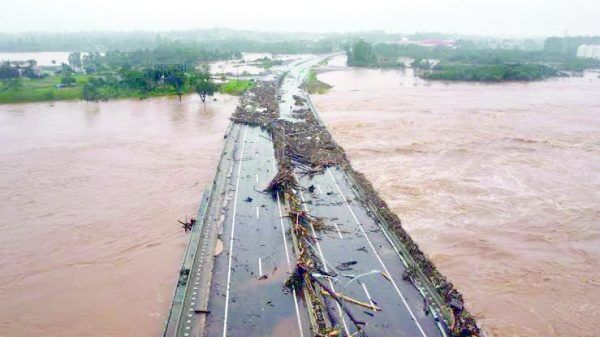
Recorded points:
482,17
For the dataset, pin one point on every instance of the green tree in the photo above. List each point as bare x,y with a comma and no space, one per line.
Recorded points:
75,59
177,80
66,69
68,81
203,85
360,53
8,71
91,92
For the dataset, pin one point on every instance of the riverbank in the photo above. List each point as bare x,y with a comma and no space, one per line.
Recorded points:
50,89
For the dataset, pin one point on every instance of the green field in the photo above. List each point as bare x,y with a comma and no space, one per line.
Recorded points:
313,85
235,87
40,90
37,90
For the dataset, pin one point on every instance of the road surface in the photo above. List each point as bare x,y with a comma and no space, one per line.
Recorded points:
240,253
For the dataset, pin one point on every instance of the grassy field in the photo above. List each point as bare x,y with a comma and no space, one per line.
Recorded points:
313,85
235,87
42,90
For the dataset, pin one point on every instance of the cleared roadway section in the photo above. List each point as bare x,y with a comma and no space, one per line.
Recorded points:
247,296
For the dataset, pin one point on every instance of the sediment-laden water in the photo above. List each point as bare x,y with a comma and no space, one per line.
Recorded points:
498,183
89,242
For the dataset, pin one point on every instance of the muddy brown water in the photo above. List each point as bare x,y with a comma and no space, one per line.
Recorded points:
89,242
499,184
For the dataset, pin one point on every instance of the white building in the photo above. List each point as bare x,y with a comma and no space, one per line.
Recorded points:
589,51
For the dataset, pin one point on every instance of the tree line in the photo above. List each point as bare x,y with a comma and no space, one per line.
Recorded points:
467,62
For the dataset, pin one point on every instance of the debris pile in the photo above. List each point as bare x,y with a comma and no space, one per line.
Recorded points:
284,180
309,273
258,106
308,146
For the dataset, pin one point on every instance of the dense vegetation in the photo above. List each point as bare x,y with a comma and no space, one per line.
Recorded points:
219,40
130,83
491,73
313,85
170,69
364,54
165,53
470,62
210,39
562,47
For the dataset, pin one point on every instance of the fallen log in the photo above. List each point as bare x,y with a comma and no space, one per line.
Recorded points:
354,301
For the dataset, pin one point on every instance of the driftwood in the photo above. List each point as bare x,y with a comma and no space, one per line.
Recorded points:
283,181
307,146
358,324
354,301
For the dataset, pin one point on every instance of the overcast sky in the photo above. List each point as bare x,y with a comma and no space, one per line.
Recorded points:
481,17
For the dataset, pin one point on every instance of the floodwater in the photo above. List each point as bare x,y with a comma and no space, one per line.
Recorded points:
499,184
42,58
89,242
247,65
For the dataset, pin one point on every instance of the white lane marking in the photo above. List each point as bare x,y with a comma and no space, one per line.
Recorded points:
260,274
319,188
256,154
377,255
237,187
368,296
338,230
287,253
387,236
257,212
257,178
314,233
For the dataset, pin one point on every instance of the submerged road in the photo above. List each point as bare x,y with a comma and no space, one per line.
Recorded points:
240,252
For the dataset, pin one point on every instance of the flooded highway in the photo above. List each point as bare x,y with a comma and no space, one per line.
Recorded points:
497,183
91,193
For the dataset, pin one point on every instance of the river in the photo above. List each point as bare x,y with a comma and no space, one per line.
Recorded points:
91,192
498,183
42,58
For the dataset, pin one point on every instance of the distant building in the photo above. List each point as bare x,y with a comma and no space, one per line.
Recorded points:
589,51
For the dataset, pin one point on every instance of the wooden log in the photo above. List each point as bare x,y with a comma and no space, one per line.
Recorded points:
354,301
